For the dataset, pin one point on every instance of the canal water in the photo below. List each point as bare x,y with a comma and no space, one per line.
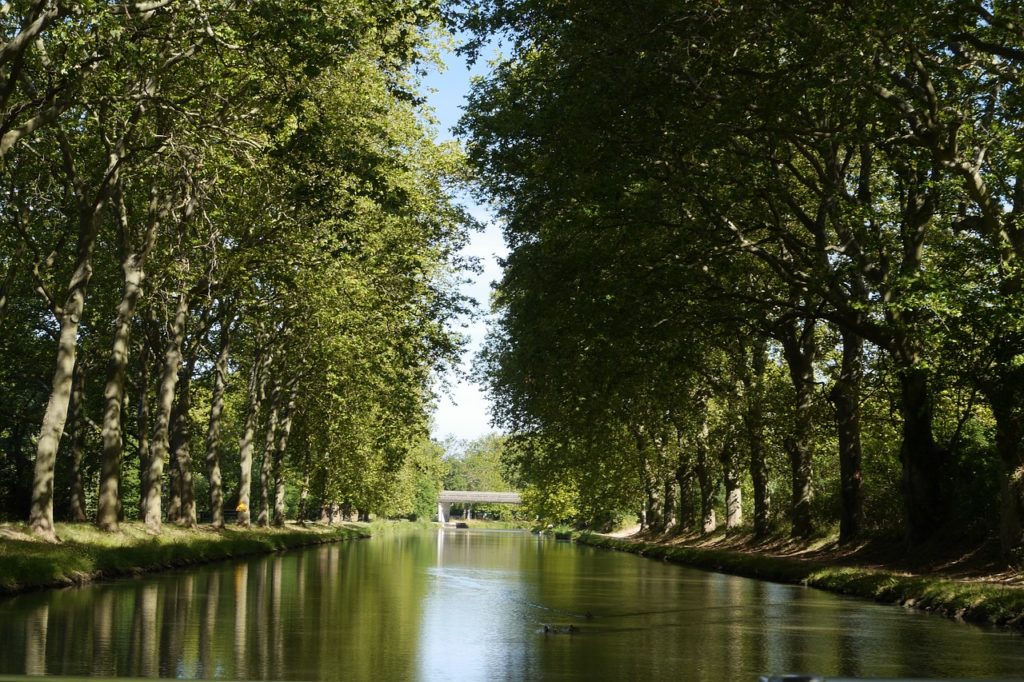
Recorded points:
472,605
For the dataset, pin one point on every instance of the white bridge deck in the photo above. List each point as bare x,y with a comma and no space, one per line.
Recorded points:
478,497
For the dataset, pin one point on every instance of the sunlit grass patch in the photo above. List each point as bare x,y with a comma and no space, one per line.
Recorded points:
86,553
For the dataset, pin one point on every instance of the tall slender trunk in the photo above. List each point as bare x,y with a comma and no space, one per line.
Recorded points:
133,270
705,481
40,518
799,349
304,494
143,427
78,426
922,459
754,421
220,373
113,398
174,471
255,398
846,397
671,504
687,509
181,444
164,404
279,450
731,480
1005,394
268,457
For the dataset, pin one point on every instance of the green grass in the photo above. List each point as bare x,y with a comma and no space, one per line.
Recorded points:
86,553
978,602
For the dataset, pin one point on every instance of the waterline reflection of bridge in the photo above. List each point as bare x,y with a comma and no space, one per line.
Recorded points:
449,497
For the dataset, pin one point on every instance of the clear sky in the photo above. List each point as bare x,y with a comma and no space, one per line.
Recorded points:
462,412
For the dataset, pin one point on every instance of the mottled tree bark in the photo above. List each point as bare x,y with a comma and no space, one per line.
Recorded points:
1007,402
705,481
70,316
78,426
754,422
257,379
220,370
671,505
266,465
164,404
133,274
143,428
799,350
731,480
846,397
687,508
304,496
89,207
181,445
282,443
922,459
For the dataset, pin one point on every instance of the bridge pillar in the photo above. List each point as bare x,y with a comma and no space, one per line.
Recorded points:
444,512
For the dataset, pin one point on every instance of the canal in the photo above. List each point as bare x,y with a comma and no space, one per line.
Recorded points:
472,605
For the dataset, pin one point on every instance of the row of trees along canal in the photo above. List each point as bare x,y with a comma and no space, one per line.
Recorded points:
229,224
770,245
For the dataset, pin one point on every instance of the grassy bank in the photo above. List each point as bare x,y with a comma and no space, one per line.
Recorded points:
971,600
87,554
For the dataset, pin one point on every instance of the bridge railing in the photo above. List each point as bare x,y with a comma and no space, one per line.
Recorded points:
479,497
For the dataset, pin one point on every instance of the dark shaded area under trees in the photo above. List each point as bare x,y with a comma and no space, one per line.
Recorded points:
765,260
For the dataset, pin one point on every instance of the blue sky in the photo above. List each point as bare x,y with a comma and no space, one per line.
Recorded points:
462,411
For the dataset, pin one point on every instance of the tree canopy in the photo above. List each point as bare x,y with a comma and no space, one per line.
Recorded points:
763,248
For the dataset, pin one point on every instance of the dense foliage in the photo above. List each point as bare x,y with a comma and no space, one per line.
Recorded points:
227,260
766,260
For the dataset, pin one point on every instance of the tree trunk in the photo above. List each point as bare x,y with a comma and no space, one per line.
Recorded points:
174,473
1004,391
1006,398
279,450
143,428
708,523
754,421
304,495
799,349
733,493
40,518
266,465
671,505
78,426
921,458
113,400
687,508
220,370
846,397
165,402
181,444
133,269
255,399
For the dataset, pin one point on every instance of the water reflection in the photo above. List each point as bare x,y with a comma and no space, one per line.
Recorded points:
473,605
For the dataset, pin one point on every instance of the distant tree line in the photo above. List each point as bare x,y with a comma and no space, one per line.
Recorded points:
226,260
765,260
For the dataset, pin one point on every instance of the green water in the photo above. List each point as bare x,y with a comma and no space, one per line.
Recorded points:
472,605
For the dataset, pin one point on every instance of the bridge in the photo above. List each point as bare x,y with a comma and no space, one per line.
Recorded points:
449,497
